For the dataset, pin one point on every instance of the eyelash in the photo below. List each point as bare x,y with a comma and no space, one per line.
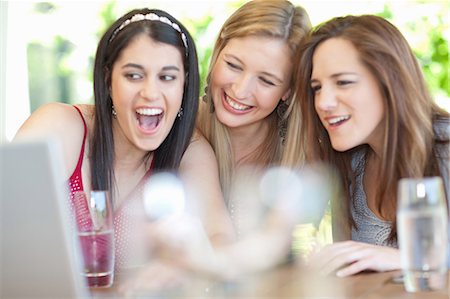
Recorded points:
316,88
265,81
135,77
233,66
343,82
236,67
167,77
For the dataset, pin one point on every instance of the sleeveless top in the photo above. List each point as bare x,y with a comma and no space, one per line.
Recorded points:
129,217
372,229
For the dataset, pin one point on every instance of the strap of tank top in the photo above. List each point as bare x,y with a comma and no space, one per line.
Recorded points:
80,159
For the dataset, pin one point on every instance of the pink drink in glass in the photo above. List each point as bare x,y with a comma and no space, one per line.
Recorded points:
98,250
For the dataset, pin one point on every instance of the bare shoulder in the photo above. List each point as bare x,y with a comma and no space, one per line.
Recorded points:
198,150
60,122
52,120
199,155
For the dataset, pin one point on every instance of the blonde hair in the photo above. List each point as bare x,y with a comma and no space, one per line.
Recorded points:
278,19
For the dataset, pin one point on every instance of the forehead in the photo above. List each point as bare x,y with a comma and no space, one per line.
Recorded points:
263,53
145,50
336,54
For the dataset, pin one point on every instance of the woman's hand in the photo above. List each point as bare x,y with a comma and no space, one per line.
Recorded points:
154,277
350,257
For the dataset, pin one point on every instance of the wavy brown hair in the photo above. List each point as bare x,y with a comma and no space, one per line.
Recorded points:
409,138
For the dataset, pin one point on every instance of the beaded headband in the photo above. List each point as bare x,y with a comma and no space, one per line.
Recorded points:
150,17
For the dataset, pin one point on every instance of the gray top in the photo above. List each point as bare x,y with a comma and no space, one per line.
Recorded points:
372,229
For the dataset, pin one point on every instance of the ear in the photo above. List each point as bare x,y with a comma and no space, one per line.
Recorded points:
286,95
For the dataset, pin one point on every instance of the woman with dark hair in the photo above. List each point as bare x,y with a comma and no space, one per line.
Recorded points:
367,112
146,88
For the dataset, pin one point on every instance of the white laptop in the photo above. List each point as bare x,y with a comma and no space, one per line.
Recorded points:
39,256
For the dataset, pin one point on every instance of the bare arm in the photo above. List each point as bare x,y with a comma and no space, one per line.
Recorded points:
186,241
200,175
57,121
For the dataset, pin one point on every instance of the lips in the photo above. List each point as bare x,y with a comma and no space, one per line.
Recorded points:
335,121
234,106
149,118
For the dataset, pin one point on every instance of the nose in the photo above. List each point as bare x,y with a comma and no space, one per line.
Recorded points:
150,89
325,99
243,86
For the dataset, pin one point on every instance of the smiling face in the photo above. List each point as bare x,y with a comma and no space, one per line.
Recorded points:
146,89
249,78
347,97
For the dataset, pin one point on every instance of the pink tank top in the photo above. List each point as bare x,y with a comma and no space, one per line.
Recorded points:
129,217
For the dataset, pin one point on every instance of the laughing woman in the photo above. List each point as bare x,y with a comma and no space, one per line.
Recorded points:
247,106
146,88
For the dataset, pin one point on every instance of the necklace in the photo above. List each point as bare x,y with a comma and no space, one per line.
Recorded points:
235,214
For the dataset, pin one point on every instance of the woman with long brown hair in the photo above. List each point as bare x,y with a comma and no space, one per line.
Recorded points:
367,112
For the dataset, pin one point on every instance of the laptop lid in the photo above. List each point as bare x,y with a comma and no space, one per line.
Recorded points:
39,255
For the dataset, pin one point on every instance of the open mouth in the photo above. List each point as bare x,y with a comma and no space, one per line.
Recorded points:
235,105
336,121
149,118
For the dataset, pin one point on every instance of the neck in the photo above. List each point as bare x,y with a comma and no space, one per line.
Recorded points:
130,164
371,179
246,140
126,154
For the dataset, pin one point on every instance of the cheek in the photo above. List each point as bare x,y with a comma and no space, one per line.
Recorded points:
220,76
120,91
180,92
176,97
374,110
269,100
117,94
378,117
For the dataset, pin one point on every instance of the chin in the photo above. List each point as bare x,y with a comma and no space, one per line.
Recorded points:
341,147
222,117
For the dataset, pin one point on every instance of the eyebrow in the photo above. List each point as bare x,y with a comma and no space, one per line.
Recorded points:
336,75
275,77
138,66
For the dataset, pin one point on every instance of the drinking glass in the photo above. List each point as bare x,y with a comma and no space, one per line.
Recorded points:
422,221
95,230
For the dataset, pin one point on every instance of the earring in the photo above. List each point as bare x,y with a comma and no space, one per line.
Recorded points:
180,112
113,112
205,92
282,120
208,98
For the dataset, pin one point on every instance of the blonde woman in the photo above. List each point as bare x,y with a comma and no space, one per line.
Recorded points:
244,114
248,100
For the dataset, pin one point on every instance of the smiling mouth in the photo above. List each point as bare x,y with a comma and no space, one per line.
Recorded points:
336,121
235,105
149,118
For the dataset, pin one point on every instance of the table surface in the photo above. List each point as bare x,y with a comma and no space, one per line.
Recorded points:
288,282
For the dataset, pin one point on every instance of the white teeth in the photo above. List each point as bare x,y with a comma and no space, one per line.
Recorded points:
149,111
337,119
236,105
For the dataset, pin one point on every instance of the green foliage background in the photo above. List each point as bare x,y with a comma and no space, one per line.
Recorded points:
50,78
